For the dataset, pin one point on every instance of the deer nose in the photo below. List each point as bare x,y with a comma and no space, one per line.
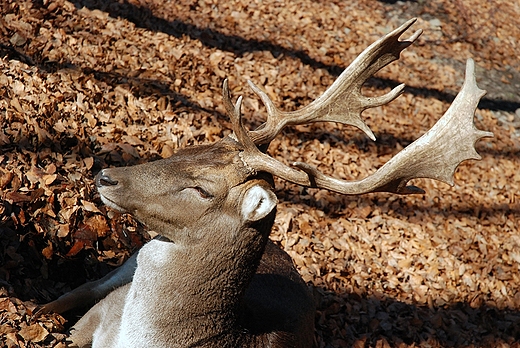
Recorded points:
104,180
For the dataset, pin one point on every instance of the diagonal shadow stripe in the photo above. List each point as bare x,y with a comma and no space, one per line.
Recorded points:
144,18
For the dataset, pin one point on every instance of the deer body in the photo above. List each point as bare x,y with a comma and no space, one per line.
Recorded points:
215,280
276,311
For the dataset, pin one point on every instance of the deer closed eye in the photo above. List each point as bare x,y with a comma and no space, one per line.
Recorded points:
203,193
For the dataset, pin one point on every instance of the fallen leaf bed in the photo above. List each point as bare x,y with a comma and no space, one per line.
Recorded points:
90,84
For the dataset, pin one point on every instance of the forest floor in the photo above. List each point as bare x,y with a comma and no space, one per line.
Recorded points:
89,84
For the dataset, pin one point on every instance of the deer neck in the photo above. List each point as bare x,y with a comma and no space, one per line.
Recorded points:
197,287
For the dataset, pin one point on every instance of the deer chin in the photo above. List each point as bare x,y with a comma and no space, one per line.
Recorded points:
111,204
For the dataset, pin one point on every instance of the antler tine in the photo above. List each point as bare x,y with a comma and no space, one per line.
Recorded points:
342,101
435,155
254,159
235,114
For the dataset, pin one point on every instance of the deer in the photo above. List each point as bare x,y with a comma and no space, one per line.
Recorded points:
213,278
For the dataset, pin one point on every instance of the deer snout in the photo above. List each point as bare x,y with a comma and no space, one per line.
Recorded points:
102,179
108,188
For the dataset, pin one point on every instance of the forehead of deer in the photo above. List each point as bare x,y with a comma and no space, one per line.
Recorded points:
220,159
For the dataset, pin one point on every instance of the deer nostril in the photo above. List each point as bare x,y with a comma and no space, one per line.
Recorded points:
105,180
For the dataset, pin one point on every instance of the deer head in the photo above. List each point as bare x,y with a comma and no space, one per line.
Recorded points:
176,193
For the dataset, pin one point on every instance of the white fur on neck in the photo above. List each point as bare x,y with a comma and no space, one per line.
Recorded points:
137,331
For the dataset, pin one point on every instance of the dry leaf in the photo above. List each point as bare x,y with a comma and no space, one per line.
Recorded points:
89,162
49,179
98,224
76,248
33,333
48,251
89,206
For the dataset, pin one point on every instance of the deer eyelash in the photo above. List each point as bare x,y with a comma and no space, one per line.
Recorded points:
203,193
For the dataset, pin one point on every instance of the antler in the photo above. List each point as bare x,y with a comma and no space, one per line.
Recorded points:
342,101
435,155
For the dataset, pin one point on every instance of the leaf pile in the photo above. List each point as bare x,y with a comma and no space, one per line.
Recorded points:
90,84
17,331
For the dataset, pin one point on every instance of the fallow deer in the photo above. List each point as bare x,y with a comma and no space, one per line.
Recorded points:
214,278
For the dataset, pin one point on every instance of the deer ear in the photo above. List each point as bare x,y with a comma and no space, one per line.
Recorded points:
258,203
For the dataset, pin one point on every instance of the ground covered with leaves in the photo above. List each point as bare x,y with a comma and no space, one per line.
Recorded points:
89,84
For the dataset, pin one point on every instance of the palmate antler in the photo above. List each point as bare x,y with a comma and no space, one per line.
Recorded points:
435,155
342,101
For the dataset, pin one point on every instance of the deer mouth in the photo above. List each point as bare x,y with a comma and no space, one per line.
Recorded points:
108,202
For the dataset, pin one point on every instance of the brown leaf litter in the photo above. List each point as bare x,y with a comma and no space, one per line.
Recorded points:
90,84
